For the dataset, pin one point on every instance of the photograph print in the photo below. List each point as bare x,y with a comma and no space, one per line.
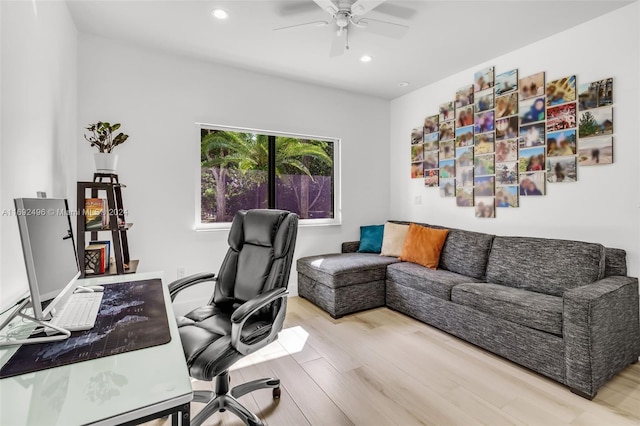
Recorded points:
532,160
447,150
507,105
483,101
431,160
595,151
447,131
561,91
447,169
417,170
507,196
484,143
507,173
507,82
605,92
595,122
483,79
532,86
430,141
532,110
484,165
588,96
416,135
485,186
484,122
417,153
431,124
561,117
464,96
447,188
560,144
447,110
431,178
485,207
507,150
464,177
464,116
464,156
532,184
507,128
562,169
532,135
464,197
464,136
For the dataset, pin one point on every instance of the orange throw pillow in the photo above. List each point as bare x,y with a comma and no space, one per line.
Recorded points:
424,245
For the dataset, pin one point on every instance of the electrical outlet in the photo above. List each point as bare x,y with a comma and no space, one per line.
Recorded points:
180,272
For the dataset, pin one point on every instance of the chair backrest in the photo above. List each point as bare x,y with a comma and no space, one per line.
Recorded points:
261,245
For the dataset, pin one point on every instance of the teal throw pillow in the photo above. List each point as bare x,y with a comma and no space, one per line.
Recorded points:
371,239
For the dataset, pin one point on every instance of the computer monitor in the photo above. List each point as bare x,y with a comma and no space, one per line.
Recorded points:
49,252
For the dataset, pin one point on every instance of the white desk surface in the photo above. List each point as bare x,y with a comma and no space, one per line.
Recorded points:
103,391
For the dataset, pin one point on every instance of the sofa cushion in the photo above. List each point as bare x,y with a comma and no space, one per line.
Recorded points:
466,253
371,239
343,269
544,265
393,239
424,245
436,283
535,310
615,262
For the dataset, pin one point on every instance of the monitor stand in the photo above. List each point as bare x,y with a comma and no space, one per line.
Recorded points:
18,313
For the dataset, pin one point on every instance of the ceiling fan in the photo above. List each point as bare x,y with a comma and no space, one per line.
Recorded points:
346,15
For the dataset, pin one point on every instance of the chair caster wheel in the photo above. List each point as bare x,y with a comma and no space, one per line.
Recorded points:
276,393
222,410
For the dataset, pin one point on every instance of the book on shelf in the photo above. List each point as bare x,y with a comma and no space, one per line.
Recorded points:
94,261
95,213
107,245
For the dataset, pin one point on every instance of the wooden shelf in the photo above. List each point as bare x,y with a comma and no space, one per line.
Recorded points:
133,267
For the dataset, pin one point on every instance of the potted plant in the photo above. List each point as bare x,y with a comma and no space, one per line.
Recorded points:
102,137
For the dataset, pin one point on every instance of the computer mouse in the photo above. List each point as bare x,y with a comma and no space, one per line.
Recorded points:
96,288
89,289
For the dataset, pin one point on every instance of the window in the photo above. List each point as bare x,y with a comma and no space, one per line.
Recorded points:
247,169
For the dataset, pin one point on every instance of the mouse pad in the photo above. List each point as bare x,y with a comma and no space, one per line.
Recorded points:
132,316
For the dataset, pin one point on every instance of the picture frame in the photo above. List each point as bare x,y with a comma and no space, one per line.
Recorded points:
595,122
485,207
483,79
595,151
532,86
561,91
507,82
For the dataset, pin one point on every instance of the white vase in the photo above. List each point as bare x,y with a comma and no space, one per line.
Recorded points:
106,162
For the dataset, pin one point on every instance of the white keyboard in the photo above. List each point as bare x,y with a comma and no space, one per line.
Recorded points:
79,313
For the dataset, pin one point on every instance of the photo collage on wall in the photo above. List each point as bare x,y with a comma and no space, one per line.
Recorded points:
505,137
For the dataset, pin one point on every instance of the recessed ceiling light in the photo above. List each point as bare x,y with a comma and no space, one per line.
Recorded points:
366,58
403,84
219,13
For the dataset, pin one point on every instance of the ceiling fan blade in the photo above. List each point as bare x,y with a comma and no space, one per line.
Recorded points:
396,11
384,28
338,44
328,6
307,24
361,7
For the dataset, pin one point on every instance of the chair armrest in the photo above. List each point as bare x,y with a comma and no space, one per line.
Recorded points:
601,329
350,247
250,307
179,285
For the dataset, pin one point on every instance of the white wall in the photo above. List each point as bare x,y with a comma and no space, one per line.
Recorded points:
38,116
603,205
158,98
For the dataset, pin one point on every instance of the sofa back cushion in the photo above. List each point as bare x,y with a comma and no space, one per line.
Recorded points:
544,265
466,253
616,262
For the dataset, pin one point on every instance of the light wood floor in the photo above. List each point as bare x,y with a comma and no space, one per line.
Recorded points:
383,368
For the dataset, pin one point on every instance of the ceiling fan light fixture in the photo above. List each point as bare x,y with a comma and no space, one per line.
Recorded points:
366,58
220,14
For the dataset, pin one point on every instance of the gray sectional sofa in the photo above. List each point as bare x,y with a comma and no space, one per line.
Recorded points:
566,309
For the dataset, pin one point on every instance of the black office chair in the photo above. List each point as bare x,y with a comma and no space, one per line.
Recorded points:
246,311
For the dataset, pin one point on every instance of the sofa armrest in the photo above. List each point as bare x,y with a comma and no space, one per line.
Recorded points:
350,246
601,329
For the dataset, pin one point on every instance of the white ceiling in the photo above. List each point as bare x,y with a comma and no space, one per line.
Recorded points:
445,36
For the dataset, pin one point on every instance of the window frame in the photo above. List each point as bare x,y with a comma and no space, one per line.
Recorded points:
337,198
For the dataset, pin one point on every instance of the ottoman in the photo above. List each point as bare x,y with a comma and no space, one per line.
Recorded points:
343,283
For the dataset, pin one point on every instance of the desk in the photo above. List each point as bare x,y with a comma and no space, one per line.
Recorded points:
123,388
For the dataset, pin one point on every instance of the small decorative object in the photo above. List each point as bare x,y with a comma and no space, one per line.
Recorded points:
103,139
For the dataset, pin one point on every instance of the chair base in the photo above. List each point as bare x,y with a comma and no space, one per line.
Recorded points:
224,399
